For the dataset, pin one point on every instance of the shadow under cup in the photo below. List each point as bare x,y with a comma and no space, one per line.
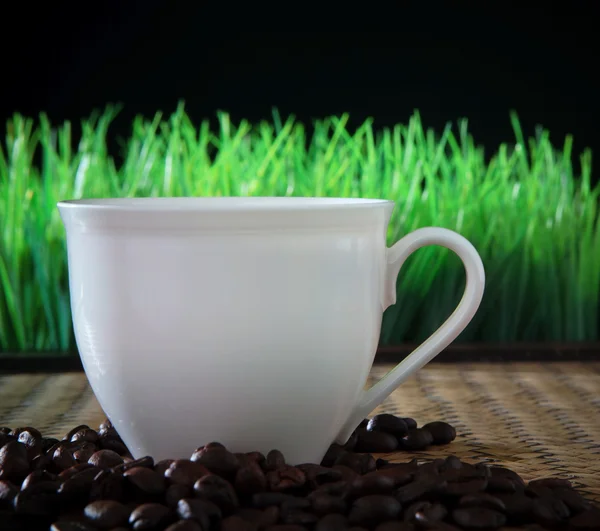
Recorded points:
252,322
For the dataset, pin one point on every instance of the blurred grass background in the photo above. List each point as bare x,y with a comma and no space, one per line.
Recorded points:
530,208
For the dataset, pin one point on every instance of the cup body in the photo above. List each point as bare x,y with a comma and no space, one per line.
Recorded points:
253,322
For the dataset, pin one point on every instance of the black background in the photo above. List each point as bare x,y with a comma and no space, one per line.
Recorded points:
446,59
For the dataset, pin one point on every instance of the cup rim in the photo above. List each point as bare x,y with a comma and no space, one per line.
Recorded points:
221,204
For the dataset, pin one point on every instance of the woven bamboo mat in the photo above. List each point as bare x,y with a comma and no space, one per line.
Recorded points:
542,420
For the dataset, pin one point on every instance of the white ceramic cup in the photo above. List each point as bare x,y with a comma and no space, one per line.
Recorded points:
249,321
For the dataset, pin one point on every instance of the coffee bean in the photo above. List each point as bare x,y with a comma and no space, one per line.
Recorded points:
498,471
37,476
267,499
150,517
550,511
572,499
217,460
8,491
317,475
286,527
176,492
332,454
274,460
144,483
48,442
206,513
83,452
350,444
400,475
40,499
388,424
442,432
338,488
417,439
285,478
106,514
114,445
85,435
185,525
250,479
219,491
588,520
469,486
323,504
332,522
299,517
108,485
372,483
68,436
71,525
77,487
551,483
31,438
451,462
75,469
161,466
260,519
14,464
501,485
482,500
105,459
417,490
235,523
478,518
375,441
143,462
360,463
185,472
411,424
371,510
395,525
62,457
519,508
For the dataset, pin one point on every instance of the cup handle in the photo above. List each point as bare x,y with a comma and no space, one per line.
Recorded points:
443,336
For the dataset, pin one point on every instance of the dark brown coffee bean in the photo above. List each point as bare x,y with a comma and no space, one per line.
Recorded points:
144,483
425,512
70,472
114,445
37,476
108,485
417,439
286,478
350,444
150,517
588,520
218,460
497,484
63,456
372,483
572,499
332,454
176,492
388,424
503,472
417,490
550,511
345,473
85,435
323,504
360,463
105,459
106,514
250,479
375,441
67,436
185,525
338,488
14,464
519,508
286,527
396,525
374,509
83,452
469,486
263,500
236,523
332,522
274,460
143,462
219,491
48,442
428,470
8,491
297,517
260,519
40,499
161,466
77,488
399,475
109,433
185,472
551,483
317,475
411,424
451,463
442,432
482,499
206,513
31,438
71,525
478,518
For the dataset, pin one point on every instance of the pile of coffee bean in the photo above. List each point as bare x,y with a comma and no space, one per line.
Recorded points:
88,481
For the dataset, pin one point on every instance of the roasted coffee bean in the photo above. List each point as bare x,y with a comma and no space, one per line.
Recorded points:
478,518
551,483
338,488
345,473
519,508
185,472
176,492
374,509
219,491
14,465
150,517
161,466
68,436
375,441
83,452
236,523
37,476
417,490
260,519
42,462
31,438
372,483
78,487
468,486
332,522
62,457
268,499
417,439
550,511
482,499
250,479
105,459
442,432
425,513
8,491
388,424
108,485
274,460
285,478
428,470
144,483
451,463
85,435
399,475
106,514
572,499
109,433
332,454
297,517
411,424
72,525
217,460
48,442
396,525
185,525
143,462
286,527
360,463
257,457
317,475
499,471
114,445
350,444
588,520
498,484
75,469
40,499
206,513
323,504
